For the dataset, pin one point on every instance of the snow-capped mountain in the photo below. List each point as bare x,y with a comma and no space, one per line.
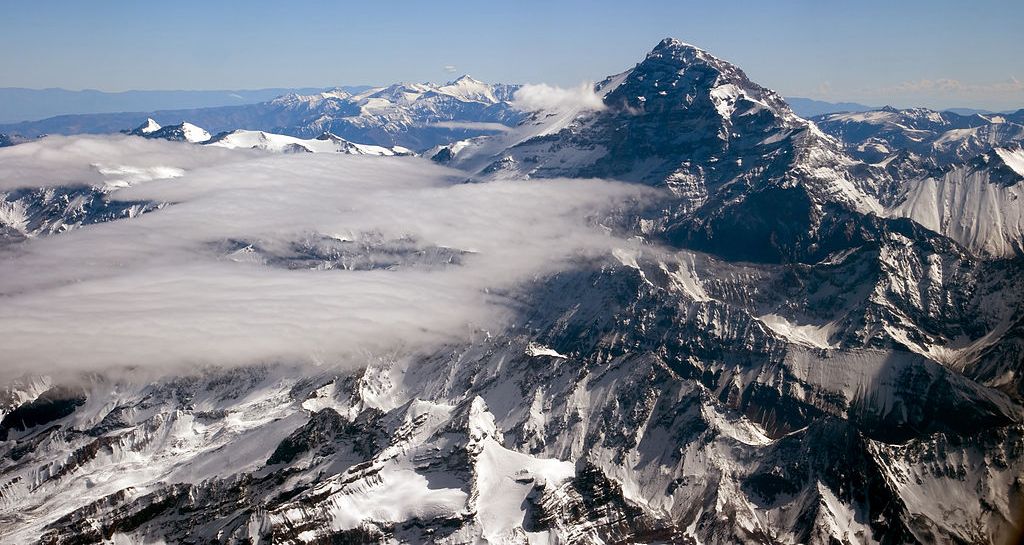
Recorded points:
147,127
411,115
692,123
803,347
182,132
952,173
943,138
261,140
325,143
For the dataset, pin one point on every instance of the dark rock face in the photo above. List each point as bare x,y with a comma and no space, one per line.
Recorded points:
53,404
42,211
371,251
324,430
679,114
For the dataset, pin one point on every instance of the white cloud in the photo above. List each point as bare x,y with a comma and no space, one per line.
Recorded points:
450,68
532,97
100,161
998,94
159,292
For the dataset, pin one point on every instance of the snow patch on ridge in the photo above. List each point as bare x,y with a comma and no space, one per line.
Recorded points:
808,335
1014,158
535,350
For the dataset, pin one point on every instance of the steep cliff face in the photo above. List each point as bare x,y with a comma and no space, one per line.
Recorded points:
650,398
977,203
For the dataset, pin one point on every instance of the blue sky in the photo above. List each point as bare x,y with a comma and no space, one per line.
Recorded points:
939,53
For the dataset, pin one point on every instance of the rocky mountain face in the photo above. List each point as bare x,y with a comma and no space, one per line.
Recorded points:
30,212
809,348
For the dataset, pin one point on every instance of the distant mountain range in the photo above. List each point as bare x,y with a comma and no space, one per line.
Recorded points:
809,107
31,112
411,115
18,104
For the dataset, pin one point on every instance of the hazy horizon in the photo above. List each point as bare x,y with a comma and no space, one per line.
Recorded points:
873,53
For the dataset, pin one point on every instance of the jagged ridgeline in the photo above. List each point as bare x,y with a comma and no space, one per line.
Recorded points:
820,341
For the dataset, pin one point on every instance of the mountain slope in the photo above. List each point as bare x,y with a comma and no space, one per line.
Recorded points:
979,204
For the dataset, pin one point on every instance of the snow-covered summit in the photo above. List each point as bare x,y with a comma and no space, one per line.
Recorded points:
182,132
682,118
468,88
147,127
280,143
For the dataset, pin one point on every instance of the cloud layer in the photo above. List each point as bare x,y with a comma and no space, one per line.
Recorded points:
159,291
533,97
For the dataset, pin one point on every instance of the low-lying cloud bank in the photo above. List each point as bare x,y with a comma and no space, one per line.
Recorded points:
533,97
173,288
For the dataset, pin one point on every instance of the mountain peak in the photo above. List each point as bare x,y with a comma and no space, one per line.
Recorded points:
182,132
147,127
466,78
467,88
673,43
682,54
328,135
679,76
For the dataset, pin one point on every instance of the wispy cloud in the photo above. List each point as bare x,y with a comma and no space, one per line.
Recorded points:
953,86
824,90
533,97
450,68
166,290
1009,91
937,92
